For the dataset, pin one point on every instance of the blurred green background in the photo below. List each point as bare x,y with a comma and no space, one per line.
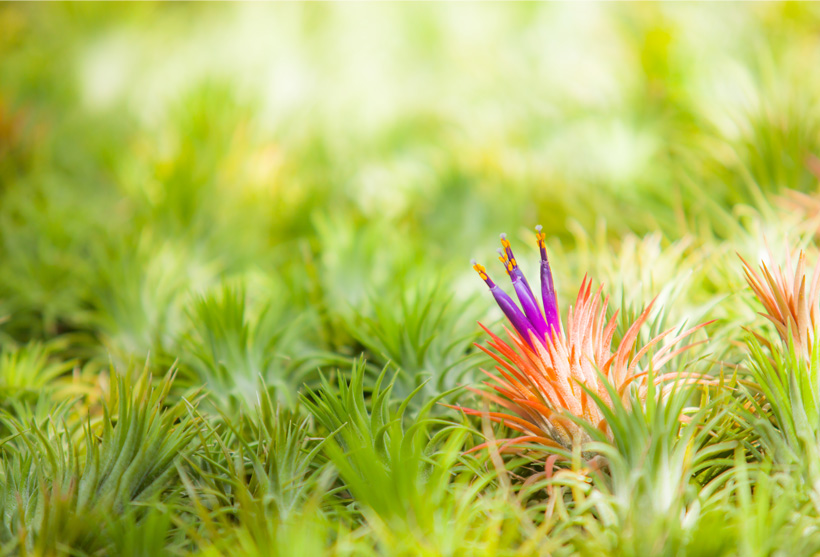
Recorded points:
268,190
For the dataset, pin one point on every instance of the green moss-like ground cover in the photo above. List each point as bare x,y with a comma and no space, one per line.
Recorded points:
236,304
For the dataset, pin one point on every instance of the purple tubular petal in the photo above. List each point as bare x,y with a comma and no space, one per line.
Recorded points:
523,290
515,315
529,303
547,287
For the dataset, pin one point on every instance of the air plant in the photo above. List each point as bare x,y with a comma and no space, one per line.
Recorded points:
553,377
783,400
789,300
59,485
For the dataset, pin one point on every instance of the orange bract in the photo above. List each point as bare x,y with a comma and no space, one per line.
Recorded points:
790,303
540,383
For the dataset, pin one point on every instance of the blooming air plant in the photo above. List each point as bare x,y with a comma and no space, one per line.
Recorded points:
547,369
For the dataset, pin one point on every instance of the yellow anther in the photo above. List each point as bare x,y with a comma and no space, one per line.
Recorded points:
541,237
506,264
505,242
482,272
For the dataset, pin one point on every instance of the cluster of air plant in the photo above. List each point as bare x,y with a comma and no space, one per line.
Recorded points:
295,269
61,482
425,333
553,377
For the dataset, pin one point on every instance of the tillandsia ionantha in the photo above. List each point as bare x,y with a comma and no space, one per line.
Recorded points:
545,368
790,302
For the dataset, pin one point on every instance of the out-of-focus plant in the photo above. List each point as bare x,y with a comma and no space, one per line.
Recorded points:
770,514
31,368
58,485
236,349
134,302
262,471
661,460
402,474
381,460
782,393
426,333
790,299
45,237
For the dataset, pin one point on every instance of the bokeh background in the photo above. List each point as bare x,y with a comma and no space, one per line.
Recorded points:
266,190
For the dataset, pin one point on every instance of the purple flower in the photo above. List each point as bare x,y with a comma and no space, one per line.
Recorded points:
531,322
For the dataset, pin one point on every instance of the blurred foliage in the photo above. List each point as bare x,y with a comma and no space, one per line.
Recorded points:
257,195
